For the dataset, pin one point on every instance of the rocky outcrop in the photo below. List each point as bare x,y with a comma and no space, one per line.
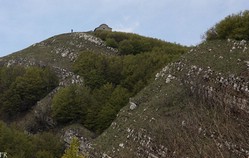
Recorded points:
230,90
82,134
80,41
65,47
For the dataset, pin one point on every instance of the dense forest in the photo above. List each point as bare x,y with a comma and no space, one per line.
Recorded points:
21,88
110,80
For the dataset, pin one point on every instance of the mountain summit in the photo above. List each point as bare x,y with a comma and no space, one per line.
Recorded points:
114,95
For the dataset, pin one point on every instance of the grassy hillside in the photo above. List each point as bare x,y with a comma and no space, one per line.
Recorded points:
58,51
124,95
85,82
196,107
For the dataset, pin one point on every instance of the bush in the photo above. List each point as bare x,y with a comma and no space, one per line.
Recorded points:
71,103
125,47
25,89
19,144
93,69
73,150
111,43
128,43
234,26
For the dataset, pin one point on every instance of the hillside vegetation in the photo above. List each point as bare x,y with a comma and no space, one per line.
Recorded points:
111,80
21,88
21,145
235,26
78,79
114,94
197,107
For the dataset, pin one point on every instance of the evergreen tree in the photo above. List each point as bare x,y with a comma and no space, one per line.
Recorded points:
73,150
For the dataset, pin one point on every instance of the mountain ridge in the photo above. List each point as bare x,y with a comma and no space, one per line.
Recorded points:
73,43
189,101
196,105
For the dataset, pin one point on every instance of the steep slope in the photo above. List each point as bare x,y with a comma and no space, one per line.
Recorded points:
113,76
196,107
59,53
30,134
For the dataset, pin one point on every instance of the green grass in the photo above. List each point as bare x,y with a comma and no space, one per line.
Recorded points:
45,51
219,56
170,118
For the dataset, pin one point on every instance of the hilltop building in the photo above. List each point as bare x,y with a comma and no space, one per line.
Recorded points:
103,27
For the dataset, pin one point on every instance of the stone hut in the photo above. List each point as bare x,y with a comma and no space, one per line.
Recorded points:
103,27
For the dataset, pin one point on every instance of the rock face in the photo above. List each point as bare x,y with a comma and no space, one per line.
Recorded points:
83,135
196,106
132,105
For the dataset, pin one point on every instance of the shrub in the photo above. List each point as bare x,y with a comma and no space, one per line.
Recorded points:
22,92
19,144
234,26
71,103
111,43
73,150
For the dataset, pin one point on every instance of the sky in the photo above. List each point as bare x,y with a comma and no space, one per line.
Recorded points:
25,22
